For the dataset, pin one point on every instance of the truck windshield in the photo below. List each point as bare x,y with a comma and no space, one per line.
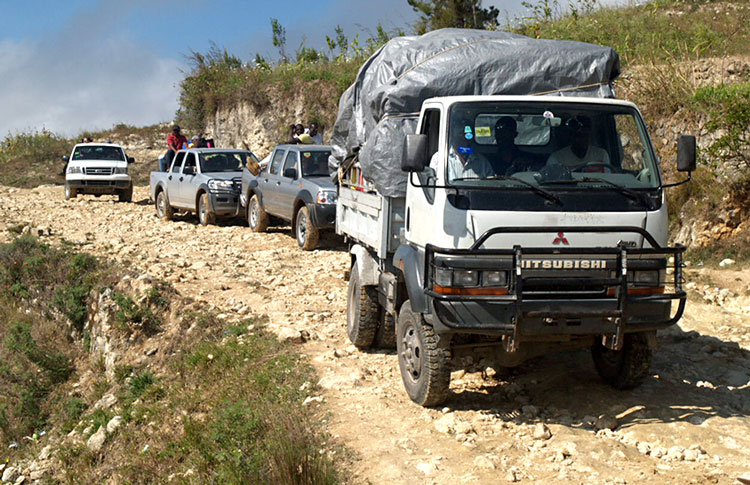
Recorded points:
554,146
225,161
315,163
98,152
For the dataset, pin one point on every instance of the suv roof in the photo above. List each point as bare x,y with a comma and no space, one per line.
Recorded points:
312,148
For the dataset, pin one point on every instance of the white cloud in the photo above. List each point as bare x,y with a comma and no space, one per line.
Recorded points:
85,76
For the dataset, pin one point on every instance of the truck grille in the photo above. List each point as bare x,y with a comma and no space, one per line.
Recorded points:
98,170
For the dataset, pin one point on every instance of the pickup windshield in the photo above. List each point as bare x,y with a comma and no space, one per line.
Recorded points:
315,163
553,146
98,152
225,161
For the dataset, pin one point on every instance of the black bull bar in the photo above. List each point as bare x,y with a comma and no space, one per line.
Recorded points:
619,255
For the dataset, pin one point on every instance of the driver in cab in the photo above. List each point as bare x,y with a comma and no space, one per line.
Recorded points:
580,154
463,161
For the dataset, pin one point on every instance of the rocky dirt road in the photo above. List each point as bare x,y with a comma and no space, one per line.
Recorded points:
551,420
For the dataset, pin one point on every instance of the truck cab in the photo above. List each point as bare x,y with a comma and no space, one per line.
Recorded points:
98,168
531,224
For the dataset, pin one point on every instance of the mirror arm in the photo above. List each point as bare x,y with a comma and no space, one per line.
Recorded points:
688,179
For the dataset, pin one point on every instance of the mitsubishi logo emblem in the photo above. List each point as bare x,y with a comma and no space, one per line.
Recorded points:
561,239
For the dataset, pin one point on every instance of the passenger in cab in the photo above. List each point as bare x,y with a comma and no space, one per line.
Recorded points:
509,159
580,153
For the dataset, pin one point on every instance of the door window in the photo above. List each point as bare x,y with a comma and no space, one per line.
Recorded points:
290,162
190,162
178,159
278,155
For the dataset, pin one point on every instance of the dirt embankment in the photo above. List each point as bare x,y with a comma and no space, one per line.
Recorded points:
550,420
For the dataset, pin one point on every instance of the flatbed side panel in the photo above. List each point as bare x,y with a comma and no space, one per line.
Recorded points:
358,217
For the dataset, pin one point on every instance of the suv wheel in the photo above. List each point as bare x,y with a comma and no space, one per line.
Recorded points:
70,193
257,218
126,195
307,234
164,211
205,216
626,368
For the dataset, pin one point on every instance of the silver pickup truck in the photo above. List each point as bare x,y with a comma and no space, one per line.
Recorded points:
205,181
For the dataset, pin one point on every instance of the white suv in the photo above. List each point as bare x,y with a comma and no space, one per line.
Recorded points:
98,168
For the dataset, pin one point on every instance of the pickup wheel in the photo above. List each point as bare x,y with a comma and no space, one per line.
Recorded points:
70,192
126,195
257,218
164,211
307,234
385,337
362,312
425,366
626,368
205,216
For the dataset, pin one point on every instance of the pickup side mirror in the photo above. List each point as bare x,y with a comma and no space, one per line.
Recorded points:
686,153
131,160
188,171
415,153
65,158
290,173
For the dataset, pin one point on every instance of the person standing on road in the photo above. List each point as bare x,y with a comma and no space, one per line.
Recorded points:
175,141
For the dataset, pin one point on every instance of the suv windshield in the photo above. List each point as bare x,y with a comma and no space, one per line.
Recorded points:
314,163
554,146
225,161
98,152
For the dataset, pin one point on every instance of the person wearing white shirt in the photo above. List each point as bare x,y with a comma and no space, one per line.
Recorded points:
580,153
316,136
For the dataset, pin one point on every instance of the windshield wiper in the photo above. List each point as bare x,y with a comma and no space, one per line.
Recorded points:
631,194
537,190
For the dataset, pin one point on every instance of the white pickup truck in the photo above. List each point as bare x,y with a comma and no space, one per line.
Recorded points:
98,168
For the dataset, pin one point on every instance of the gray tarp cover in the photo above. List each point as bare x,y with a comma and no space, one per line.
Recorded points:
383,104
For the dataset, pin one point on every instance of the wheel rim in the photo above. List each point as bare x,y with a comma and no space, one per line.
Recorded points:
301,228
411,355
201,211
350,309
253,214
67,191
160,204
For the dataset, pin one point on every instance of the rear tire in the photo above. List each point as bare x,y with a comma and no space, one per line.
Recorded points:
425,366
205,216
385,337
164,211
626,368
362,311
257,218
306,233
70,192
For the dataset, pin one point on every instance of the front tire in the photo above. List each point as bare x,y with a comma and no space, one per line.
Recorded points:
205,216
126,195
626,368
362,311
425,366
70,192
257,217
164,211
306,233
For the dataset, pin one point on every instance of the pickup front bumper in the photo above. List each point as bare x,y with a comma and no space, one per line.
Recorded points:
552,293
100,186
323,215
224,203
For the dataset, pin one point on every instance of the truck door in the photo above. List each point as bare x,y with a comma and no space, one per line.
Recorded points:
188,188
269,182
173,182
421,200
289,186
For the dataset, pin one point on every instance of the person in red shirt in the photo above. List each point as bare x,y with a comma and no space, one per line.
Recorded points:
175,141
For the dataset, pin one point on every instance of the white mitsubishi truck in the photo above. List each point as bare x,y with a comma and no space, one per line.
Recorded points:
98,168
526,225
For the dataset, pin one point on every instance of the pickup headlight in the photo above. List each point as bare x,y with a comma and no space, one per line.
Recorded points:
220,185
470,281
327,197
75,169
120,170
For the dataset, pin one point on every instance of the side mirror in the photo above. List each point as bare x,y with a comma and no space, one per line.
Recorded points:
686,153
65,158
415,153
188,171
290,173
131,160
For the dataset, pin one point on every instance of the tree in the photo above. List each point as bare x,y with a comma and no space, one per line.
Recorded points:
279,38
466,14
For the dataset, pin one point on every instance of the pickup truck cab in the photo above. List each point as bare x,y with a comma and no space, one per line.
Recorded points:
98,168
295,186
205,181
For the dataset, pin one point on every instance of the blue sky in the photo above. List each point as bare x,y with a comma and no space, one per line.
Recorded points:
76,65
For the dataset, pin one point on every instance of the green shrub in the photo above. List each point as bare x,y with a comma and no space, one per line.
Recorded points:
131,316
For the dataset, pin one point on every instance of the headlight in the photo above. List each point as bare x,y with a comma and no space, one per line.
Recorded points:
75,169
465,277
220,185
327,197
120,170
494,278
443,277
646,278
